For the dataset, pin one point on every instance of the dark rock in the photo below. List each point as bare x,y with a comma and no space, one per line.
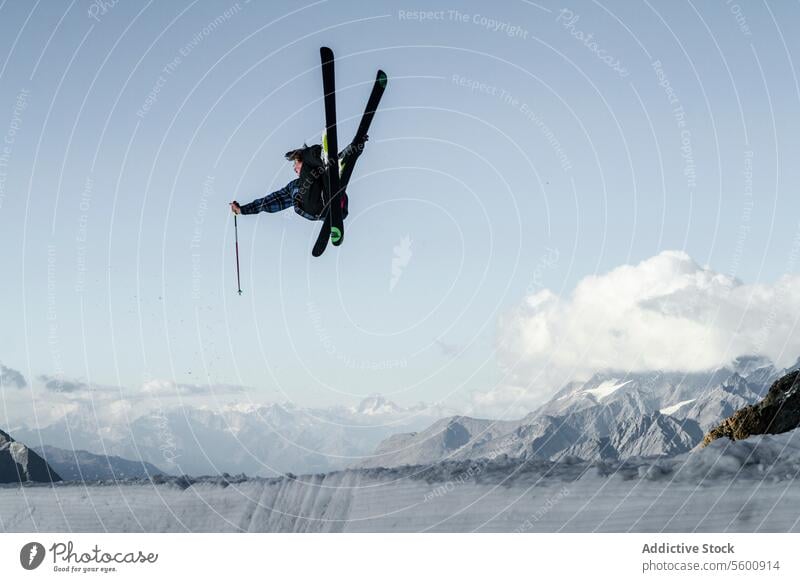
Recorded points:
19,464
778,412
455,436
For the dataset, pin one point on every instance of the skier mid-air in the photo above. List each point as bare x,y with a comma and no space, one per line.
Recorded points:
305,193
319,191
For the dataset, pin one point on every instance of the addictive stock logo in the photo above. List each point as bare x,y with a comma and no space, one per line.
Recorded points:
31,555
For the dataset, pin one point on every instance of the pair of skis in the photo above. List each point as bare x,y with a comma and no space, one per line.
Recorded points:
336,177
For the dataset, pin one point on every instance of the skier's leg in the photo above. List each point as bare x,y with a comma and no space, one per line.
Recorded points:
350,154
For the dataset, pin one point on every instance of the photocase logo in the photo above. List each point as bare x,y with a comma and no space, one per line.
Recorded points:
31,555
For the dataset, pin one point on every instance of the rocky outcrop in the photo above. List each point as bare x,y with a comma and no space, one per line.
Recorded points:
778,412
19,464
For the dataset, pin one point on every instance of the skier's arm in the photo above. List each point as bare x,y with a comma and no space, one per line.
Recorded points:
274,202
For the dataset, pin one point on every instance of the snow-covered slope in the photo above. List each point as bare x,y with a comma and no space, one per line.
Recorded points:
744,486
653,391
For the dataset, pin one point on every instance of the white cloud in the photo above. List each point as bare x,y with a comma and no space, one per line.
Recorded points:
505,402
54,397
167,388
665,313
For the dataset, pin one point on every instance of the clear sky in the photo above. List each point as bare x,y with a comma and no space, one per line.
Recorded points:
520,146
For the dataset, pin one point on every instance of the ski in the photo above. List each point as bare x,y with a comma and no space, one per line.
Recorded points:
337,181
325,230
363,127
333,226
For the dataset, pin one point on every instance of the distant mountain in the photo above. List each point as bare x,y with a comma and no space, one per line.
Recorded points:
19,464
256,440
86,466
442,440
613,415
599,432
377,405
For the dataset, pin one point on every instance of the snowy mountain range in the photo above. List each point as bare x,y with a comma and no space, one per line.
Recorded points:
613,415
256,440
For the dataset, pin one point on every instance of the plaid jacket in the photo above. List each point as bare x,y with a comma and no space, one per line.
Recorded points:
279,200
290,195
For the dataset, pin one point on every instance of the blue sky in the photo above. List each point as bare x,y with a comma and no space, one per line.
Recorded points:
520,146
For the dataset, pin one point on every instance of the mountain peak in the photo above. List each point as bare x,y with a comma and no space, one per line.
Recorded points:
376,404
746,364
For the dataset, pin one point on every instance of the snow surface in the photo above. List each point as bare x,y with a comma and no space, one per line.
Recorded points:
675,407
743,486
605,389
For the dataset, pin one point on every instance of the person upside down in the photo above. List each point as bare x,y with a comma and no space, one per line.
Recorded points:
304,193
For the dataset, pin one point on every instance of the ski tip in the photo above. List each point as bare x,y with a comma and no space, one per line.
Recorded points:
319,247
326,52
382,79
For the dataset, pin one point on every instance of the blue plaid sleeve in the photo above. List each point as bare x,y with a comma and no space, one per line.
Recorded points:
282,199
274,202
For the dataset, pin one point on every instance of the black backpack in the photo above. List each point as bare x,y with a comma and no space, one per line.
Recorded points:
312,178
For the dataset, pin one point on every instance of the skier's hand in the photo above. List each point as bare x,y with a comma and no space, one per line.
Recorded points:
235,208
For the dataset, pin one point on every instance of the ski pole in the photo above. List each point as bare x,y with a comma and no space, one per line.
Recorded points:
236,235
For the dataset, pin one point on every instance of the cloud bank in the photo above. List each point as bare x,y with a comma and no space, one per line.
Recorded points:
666,313
167,388
56,384
11,378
